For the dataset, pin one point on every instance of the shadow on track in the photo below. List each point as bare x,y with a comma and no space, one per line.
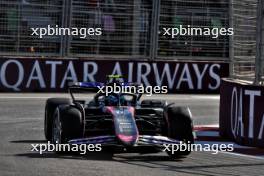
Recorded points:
99,156
159,162
190,165
71,155
106,154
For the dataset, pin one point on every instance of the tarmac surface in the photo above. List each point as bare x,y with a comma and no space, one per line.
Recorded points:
21,124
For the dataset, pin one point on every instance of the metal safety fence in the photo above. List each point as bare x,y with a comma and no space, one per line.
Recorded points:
260,43
17,17
132,28
246,51
202,14
125,27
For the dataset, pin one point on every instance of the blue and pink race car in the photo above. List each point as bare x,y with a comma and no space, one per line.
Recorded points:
121,121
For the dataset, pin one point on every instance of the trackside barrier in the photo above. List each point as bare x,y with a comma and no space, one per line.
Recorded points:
242,112
53,75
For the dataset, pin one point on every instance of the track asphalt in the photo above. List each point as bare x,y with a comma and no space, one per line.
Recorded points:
21,124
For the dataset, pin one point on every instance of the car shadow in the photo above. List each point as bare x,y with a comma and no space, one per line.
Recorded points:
99,156
103,155
70,155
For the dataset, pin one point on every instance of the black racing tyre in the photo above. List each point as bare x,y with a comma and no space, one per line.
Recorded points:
180,127
67,125
51,105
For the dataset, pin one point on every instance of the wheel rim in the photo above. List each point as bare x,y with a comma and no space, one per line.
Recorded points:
56,130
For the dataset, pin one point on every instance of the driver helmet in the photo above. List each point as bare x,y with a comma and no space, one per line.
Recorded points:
112,100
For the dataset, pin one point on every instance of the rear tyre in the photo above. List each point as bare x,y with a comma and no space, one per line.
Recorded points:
67,125
180,127
51,105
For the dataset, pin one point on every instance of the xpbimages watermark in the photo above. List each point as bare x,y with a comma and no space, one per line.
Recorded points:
50,147
140,89
59,31
196,31
214,148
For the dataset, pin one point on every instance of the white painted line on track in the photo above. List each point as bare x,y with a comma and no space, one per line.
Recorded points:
168,98
19,120
208,133
24,97
260,157
206,97
207,126
40,97
185,98
236,146
44,97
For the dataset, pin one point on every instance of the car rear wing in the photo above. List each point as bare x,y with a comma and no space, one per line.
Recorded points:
96,86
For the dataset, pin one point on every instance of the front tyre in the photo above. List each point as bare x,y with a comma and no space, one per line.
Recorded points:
67,125
180,127
51,105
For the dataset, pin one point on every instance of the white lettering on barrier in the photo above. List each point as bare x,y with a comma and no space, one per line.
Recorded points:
166,71
70,75
185,77
117,70
252,95
53,72
236,121
261,129
20,75
89,76
237,113
36,69
192,74
234,118
240,116
141,76
199,75
130,71
215,76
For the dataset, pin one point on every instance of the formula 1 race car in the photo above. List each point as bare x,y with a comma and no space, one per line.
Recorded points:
121,120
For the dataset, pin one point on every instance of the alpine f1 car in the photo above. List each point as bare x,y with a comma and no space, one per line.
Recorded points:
121,120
